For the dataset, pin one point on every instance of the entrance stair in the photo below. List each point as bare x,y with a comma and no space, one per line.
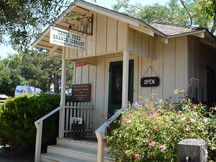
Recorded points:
69,150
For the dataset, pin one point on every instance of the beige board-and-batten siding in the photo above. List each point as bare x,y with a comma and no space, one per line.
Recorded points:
199,57
170,65
107,33
110,36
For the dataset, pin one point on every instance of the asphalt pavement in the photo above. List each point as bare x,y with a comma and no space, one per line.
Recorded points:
25,157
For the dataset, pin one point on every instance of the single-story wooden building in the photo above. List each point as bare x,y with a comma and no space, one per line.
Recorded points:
118,58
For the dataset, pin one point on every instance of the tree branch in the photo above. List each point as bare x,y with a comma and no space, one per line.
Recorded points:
183,4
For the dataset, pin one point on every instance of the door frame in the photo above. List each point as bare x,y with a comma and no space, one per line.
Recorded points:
115,58
113,65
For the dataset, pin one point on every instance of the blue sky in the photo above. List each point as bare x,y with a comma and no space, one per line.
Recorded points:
5,50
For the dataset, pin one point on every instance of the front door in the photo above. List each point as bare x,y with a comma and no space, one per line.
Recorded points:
211,87
115,85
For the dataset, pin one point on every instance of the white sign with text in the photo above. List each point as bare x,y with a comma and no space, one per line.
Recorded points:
65,38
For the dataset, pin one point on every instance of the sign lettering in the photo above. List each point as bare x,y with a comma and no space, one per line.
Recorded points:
65,38
150,81
81,92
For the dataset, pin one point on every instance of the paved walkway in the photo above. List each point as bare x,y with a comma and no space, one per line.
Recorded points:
23,158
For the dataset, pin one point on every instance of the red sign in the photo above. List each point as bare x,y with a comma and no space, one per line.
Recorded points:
78,64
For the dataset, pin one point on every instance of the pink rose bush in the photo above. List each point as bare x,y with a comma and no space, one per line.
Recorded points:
151,132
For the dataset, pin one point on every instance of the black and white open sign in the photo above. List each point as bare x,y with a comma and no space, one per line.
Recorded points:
150,81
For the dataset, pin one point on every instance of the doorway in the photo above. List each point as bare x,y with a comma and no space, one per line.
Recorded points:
115,85
211,87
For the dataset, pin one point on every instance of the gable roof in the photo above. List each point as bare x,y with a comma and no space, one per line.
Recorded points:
164,31
172,30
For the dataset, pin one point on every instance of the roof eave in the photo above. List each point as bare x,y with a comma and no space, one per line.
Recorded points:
198,33
108,12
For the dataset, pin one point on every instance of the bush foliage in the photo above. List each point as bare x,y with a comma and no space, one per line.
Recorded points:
150,131
17,117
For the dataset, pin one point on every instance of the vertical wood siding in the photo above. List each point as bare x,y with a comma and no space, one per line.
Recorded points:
109,35
170,66
200,56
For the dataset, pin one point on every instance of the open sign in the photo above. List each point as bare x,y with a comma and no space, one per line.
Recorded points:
150,81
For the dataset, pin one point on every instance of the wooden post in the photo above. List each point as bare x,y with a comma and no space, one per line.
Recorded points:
62,102
100,157
125,78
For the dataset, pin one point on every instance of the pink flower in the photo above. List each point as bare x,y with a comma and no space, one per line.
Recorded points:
136,104
126,152
137,156
193,79
152,113
192,120
147,134
155,129
194,105
151,144
162,147
178,112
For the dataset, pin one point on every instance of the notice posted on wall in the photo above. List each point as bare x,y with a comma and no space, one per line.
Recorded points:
81,92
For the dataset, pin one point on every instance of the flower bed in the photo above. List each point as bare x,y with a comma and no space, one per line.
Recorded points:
151,130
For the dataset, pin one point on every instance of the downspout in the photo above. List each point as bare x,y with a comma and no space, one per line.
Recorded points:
62,101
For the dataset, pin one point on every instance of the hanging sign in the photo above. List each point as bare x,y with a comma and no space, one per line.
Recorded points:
150,81
67,39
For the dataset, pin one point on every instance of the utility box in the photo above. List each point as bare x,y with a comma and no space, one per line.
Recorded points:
192,150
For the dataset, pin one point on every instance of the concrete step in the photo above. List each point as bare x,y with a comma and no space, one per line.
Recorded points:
77,143
73,150
56,158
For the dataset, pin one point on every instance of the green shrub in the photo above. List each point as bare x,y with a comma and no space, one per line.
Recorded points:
17,117
151,130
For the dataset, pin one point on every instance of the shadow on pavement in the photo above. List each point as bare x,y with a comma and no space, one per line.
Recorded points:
6,156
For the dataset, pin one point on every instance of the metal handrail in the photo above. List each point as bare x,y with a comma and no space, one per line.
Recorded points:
100,134
39,127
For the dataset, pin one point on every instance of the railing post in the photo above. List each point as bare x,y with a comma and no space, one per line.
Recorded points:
39,127
100,157
100,134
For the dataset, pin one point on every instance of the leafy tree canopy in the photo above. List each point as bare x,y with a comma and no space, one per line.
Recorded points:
201,13
33,69
21,20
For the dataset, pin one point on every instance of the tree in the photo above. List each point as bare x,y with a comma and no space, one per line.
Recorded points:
207,8
201,13
21,20
33,69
